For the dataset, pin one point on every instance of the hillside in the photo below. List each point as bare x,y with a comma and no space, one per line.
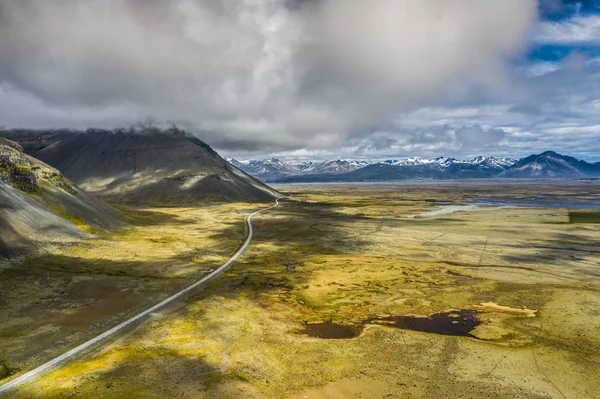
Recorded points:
147,165
39,206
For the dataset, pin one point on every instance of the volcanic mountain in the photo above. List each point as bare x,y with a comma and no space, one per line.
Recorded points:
142,165
39,206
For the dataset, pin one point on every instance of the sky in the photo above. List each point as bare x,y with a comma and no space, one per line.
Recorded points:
313,79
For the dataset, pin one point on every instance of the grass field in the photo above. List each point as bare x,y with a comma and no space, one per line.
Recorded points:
584,217
360,257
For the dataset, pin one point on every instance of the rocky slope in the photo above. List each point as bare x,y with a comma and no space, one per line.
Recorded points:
143,165
39,206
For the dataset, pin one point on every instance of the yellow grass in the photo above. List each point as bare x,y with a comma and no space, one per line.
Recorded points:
350,256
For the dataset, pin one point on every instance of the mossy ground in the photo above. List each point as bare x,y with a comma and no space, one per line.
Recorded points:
51,302
584,217
72,218
358,253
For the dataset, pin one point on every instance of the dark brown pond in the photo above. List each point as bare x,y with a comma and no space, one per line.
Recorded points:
457,323
329,330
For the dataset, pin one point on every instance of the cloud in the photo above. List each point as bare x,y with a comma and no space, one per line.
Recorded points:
475,137
277,74
558,110
542,68
579,29
446,139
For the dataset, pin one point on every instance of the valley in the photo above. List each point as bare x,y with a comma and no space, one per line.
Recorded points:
363,290
300,199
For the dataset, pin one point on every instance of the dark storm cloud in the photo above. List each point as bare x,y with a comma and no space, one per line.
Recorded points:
274,74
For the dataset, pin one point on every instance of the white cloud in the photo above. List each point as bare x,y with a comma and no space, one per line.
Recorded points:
578,29
542,68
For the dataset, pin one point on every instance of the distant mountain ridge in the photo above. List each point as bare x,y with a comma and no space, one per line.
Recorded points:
274,169
546,165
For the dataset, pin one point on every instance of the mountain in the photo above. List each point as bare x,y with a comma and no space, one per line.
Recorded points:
275,169
546,165
551,165
373,172
39,206
413,168
335,167
141,165
479,167
269,169
413,161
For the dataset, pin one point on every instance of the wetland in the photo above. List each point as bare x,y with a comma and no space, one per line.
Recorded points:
341,294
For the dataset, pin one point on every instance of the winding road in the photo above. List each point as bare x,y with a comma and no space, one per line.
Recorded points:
32,374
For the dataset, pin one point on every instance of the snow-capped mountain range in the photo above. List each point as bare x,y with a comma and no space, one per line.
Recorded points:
275,169
546,165
446,162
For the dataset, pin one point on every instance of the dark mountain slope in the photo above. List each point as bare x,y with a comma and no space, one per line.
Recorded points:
142,165
38,206
551,165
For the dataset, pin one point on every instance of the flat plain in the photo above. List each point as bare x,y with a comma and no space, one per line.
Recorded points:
347,291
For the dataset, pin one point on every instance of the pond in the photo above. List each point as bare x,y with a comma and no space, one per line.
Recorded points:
456,322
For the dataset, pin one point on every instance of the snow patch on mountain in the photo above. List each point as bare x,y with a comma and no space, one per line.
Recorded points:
275,168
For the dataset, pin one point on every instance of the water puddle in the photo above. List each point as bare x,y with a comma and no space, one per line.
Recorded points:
456,323
329,330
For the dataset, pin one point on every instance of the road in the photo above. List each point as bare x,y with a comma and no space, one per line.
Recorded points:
38,371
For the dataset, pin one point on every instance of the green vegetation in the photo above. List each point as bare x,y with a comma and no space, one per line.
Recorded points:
6,371
358,254
584,217
24,173
59,181
21,177
77,221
